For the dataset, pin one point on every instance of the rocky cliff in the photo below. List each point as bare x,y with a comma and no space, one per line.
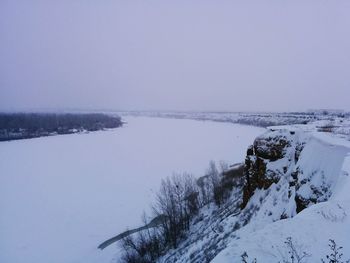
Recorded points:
299,176
285,172
305,162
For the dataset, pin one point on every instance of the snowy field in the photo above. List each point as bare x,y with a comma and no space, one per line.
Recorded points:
61,196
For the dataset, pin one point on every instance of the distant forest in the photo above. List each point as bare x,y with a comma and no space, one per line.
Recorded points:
14,126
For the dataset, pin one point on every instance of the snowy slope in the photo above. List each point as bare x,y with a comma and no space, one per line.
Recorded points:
290,169
324,164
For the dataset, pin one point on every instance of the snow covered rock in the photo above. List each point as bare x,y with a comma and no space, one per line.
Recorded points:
270,147
293,180
309,191
309,165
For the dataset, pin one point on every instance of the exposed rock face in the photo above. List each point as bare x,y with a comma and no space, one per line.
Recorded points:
267,148
281,154
285,172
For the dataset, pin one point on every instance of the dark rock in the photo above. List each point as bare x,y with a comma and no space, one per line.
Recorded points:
250,150
298,149
256,175
301,203
271,148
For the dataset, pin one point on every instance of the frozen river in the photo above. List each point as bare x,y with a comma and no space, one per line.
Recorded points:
61,196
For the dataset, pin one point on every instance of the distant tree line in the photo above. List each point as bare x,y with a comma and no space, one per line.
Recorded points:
29,125
179,199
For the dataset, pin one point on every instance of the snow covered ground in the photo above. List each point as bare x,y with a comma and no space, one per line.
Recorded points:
61,196
326,157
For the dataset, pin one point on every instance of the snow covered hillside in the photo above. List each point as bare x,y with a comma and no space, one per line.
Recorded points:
61,196
322,174
289,169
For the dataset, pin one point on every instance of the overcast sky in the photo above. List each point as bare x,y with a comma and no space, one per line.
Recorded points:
174,54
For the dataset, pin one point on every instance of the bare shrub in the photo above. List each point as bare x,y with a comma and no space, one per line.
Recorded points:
335,255
245,258
296,253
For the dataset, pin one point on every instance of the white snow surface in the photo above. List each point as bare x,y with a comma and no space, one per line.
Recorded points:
325,159
61,196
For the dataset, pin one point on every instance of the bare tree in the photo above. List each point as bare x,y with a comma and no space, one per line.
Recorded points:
177,200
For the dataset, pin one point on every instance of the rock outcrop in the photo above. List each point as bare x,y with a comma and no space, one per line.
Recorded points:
298,158
285,172
267,148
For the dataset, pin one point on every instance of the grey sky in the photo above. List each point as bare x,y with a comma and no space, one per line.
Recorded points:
176,54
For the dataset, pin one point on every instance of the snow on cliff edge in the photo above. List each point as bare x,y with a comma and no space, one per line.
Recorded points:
312,228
